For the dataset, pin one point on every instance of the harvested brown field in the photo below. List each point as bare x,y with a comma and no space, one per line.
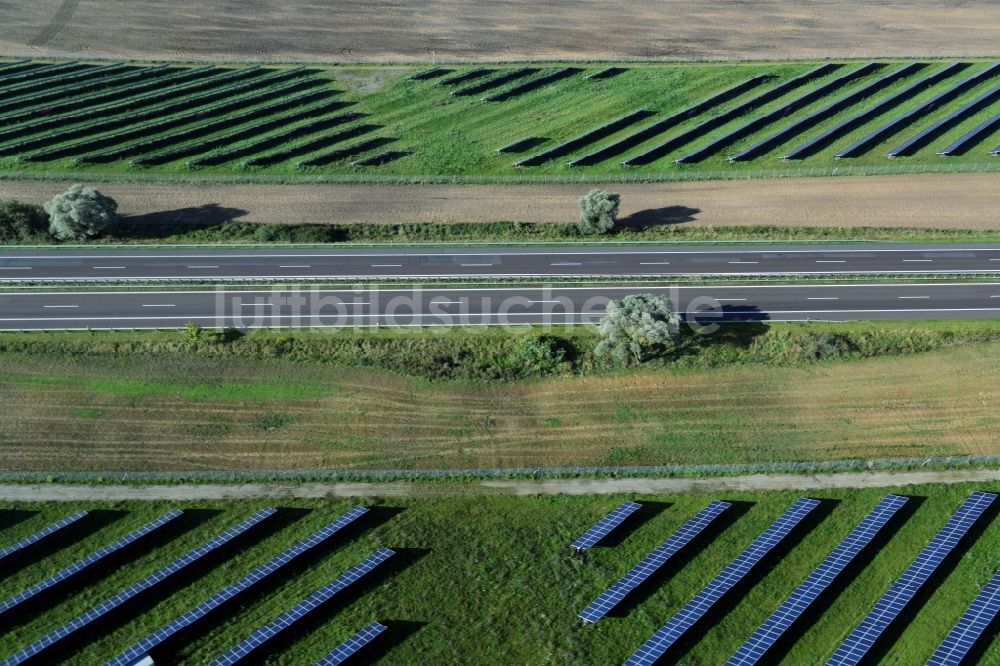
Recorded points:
958,201
420,30
170,414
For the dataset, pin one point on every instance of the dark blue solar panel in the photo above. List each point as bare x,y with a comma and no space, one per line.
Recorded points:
138,651
133,591
735,571
42,534
978,132
934,129
819,580
88,561
347,649
652,562
889,606
605,525
970,627
303,608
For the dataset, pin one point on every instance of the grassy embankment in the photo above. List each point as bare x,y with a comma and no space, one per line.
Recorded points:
377,399
436,135
492,581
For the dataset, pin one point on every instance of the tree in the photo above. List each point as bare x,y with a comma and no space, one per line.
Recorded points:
598,212
80,213
636,326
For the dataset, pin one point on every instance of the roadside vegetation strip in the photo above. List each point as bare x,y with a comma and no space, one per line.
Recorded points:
514,534
303,400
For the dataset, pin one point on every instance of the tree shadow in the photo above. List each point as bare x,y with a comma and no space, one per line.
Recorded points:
892,633
721,608
818,608
149,225
403,559
94,520
640,516
659,217
661,576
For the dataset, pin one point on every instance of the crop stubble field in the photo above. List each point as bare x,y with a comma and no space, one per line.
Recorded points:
381,30
110,412
493,580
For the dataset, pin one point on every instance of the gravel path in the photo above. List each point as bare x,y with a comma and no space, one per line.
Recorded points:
966,201
636,486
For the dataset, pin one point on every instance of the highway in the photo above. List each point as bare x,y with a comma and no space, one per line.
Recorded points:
365,307
492,262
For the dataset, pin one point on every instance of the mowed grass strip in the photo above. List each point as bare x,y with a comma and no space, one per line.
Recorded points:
212,413
493,580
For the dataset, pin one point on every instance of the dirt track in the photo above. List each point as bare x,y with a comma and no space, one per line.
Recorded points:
959,201
755,482
381,30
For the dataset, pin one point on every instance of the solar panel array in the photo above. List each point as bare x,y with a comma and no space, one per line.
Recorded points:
41,534
135,590
934,129
661,641
819,580
604,526
922,109
302,609
888,102
135,653
891,604
970,627
348,648
90,560
611,597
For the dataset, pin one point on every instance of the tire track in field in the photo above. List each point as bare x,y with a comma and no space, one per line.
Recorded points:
61,19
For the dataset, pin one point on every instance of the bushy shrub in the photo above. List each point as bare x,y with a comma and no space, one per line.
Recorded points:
637,327
598,212
539,355
80,213
22,223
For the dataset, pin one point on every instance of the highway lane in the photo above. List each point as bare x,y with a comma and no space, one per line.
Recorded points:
492,262
364,307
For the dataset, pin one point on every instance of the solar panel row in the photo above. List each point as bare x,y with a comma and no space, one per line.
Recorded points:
970,627
735,571
888,102
891,127
131,592
90,560
348,648
811,120
604,526
819,580
41,534
922,137
895,599
137,652
302,609
652,562
978,132
775,115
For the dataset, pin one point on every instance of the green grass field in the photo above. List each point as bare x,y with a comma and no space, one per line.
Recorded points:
357,401
492,580
429,133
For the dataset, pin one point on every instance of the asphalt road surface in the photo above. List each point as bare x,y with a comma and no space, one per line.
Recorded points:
242,264
367,307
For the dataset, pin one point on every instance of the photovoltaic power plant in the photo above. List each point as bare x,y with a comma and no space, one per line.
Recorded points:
41,535
735,571
348,648
892,603
611,597
930,132
90,560
604,526
819,580
136,653
970,627
978,132
131,592
303,608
